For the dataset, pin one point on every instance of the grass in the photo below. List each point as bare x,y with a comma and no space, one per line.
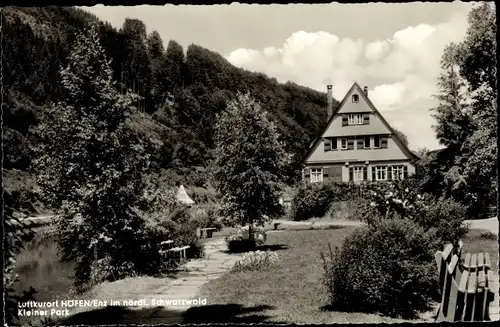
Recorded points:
297,278
290,289
475,242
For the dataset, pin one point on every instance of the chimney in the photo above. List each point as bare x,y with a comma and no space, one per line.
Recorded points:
329,111
365,89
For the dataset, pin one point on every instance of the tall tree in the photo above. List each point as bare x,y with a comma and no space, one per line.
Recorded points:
401,136
478,66
467,115
90,165
249,162
452,113
176,66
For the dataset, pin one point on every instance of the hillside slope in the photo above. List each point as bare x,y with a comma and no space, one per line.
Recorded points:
182,90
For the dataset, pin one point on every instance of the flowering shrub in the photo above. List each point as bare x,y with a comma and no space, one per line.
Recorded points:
384,268
255,260
239,241
402,199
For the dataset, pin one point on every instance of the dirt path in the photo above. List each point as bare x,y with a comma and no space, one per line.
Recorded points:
198,272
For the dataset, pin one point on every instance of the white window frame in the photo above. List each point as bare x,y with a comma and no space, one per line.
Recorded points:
398,171
316,175
342,145
355,119
380,173
379,142
358,173
355,96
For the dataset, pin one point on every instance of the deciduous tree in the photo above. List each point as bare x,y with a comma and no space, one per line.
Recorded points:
90,163
249,162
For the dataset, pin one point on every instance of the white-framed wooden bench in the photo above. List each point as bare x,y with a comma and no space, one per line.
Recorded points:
467,288
173,254
208,232
180,253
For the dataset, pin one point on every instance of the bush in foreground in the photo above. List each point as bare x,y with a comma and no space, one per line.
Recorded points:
240,240
255,260
385,268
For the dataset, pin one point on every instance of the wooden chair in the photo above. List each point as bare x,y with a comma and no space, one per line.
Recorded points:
467,287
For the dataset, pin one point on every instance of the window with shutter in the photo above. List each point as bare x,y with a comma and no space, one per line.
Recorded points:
328,144
334,143
343,144
367,142
316,175
350,144
397,172
405,172
360,143
376,141
383,142
345,120
374,177
366,119
365,173
380,173
351,174
306,172
358,173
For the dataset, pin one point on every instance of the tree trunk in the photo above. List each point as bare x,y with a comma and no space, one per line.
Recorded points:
250,232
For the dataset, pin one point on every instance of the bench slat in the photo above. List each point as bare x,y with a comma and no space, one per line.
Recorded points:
453,265
487,259
473,262
447,252
467,260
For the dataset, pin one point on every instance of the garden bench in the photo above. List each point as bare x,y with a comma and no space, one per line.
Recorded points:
209,232
180,253
276,225
467,288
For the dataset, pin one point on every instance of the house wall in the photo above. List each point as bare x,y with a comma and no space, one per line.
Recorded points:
370,165
335,127
392,152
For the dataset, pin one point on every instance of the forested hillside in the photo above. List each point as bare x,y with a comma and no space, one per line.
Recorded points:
181,91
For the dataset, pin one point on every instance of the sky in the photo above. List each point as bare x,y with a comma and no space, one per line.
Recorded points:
394,49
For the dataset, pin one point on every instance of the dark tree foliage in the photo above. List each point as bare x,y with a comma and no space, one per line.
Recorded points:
181,91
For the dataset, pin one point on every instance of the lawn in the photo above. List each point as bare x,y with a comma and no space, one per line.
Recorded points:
290,291
475,241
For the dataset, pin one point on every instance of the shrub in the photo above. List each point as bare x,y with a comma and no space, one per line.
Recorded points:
384,268
201,195
488,236
312,200
206,217
255,260
402,199
239,241
445,216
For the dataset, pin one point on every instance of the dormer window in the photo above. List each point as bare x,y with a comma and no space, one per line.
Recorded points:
355,98
356,119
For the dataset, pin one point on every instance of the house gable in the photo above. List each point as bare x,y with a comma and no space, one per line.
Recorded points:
377,126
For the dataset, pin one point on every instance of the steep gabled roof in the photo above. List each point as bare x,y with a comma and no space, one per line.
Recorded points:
396,138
